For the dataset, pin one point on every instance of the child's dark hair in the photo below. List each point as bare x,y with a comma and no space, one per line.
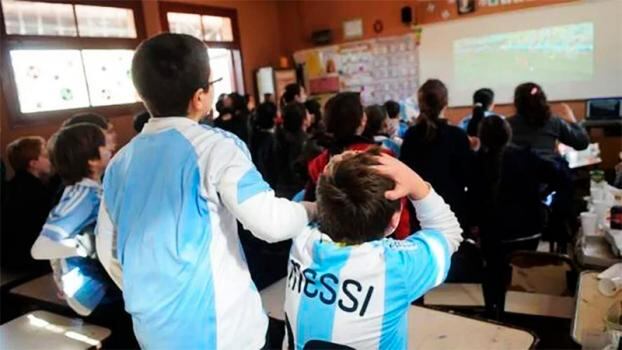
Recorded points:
392,108
376,117
140,120
265,115
343,114
495,135
314,107
72,147
432,98
482,100
352,207
88,117
294,115
238,103
24,150
167,70
530,102
291,91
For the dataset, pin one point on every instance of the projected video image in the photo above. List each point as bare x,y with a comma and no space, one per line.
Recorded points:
551,54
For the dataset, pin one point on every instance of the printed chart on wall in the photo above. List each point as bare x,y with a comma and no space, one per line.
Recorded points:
379,69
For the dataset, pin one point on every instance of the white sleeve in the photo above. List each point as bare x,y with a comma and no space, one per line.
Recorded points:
434,214
249,198
45,248
105,243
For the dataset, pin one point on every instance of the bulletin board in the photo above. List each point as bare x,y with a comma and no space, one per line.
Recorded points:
379,69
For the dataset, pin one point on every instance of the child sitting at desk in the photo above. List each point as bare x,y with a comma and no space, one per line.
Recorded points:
79,154
349,286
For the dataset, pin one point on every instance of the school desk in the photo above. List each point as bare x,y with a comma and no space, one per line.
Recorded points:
46,330
591,307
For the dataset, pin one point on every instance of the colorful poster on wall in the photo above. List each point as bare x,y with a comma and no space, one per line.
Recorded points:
379,69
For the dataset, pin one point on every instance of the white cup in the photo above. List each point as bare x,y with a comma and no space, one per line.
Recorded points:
601,208
610,286
589,223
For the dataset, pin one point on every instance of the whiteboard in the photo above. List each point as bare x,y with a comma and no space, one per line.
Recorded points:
476,52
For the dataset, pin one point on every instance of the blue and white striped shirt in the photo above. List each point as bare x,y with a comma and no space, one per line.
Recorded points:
358,296
167,234
67,241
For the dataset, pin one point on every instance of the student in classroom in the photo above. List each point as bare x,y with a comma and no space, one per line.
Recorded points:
348,285
235,117
185,280
505,203
398,126
483,104
378,128
346,120
263,143
438,151
293,93
537,127
291,139
29,197
79,154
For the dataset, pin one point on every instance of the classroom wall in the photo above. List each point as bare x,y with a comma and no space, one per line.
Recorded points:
259,28
300,18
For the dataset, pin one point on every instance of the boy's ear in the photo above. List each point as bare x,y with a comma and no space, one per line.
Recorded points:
32,163
395,221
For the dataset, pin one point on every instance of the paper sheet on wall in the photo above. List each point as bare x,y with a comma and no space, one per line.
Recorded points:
380,69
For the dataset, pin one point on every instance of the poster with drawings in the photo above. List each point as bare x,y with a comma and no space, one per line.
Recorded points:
380,69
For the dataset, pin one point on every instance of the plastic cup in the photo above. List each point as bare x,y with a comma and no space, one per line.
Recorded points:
589,223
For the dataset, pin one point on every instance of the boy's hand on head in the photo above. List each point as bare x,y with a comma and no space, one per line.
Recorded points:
407,182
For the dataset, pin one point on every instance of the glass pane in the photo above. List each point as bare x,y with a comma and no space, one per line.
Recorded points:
184,23
217,28
108,74
107,22
239,75
38,18
49,80
221,66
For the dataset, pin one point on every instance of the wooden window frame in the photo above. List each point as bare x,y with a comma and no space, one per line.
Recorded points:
232,14
12,42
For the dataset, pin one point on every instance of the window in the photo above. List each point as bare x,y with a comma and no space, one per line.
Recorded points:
63,57
217,27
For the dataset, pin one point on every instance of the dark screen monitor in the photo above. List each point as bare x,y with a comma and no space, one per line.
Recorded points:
604,109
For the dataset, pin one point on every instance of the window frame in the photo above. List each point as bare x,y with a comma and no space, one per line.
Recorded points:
20,42
166,7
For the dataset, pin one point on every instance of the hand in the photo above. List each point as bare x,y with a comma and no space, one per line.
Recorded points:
407,182
565,113
474,143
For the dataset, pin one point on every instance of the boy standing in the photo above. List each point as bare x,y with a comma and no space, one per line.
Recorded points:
29,198
347,284
80,155
167,223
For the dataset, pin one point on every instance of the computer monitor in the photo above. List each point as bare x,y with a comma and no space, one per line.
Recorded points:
604,109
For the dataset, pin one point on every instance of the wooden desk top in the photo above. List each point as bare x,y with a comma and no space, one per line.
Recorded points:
591,306
41,288
45,330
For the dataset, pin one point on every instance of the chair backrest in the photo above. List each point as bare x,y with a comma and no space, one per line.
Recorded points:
543,273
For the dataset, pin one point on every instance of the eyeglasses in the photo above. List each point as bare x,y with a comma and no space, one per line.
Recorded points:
209,84
214,81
